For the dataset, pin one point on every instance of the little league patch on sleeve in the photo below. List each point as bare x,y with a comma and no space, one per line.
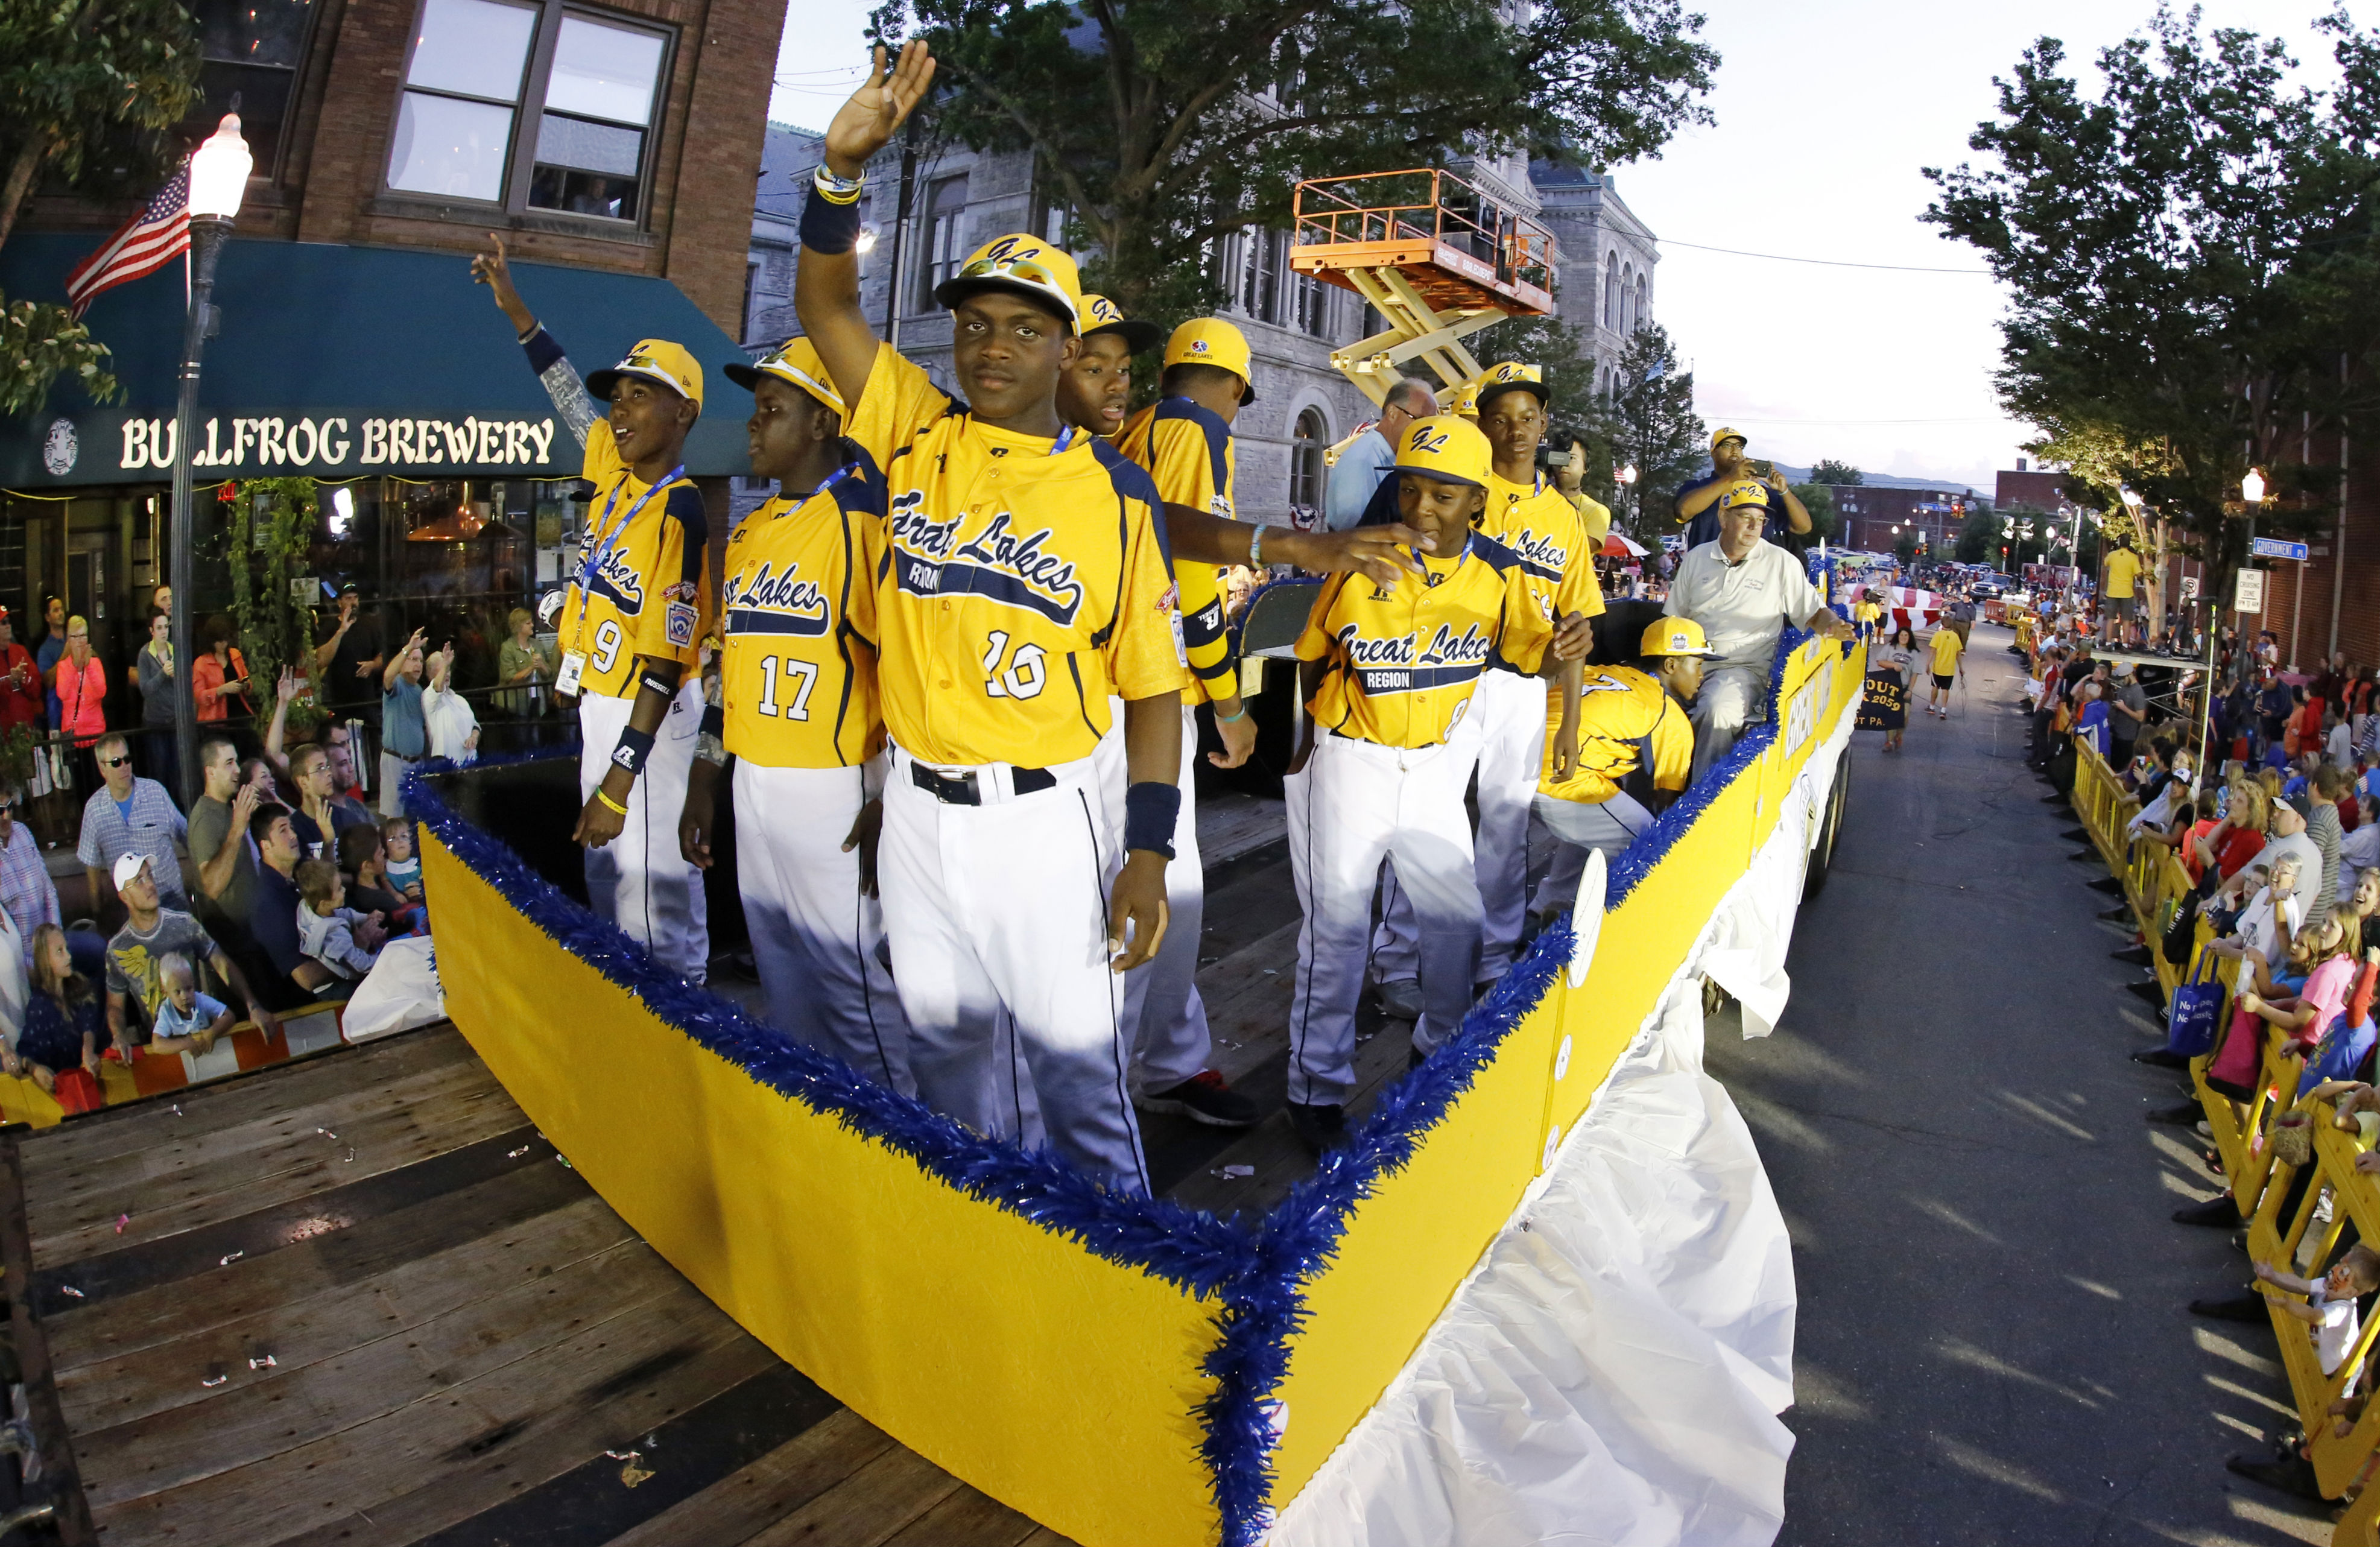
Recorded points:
680,621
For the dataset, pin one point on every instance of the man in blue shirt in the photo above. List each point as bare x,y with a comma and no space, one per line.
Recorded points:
404,738
129,815
1697,504
1368,459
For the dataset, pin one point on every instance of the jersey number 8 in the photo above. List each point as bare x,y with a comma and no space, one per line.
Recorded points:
800,675
1024,677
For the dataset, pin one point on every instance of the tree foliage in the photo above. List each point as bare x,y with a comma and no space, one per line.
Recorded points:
86,87
1164,127
1828,470
1655,428
2193,263
1819,501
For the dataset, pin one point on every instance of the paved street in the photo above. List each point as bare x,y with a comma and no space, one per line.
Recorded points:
1995,1345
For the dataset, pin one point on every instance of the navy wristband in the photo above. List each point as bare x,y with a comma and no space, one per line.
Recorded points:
1150,812
828,227
631,751
714,721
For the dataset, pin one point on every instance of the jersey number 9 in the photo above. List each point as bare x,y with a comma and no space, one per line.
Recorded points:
607,646
1023,677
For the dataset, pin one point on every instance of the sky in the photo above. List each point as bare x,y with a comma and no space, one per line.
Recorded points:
1825,111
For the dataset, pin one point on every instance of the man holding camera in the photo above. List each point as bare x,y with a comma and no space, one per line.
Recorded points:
1697,506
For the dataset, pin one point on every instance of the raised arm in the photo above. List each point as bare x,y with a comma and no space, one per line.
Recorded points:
559,378
826,280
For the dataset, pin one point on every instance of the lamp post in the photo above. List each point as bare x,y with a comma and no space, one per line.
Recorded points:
218,180
1626,478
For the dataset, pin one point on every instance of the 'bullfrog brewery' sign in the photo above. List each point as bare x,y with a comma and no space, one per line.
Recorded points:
326,445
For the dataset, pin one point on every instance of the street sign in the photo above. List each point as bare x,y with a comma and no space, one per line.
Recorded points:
2274,547
2250,596
2190,587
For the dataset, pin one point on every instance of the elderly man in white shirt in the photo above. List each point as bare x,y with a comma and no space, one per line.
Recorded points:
1742,592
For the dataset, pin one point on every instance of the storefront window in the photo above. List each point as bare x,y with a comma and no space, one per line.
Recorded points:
599,103
249,52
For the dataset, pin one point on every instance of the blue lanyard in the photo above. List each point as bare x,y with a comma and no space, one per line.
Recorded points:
849,469
608,539
1065,438
1463,554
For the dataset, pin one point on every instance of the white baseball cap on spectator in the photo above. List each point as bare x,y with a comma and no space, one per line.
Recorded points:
128,867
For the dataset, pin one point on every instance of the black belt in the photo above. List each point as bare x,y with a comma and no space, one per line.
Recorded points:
962,790
401,757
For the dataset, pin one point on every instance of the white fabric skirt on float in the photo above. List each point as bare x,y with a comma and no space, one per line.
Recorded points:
1612,1372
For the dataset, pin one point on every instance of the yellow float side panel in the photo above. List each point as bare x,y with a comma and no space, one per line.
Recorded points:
1057,1382
1408,1246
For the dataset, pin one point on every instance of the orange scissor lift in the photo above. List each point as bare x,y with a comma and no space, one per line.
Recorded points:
1433,255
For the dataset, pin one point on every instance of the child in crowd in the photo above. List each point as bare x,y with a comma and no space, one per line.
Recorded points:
326,926
187,1018
402,866
63,1019
363,862
2329,1305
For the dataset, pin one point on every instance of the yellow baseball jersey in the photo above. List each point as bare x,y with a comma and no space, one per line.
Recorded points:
1593,515
599,463
1536,523
798,668
648,591
2123,568
1632,736
1022,581
1187,451
1947,646
1401,663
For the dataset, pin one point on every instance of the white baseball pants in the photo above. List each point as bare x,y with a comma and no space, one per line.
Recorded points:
1733,699
1162,999
997,914
1510,711
639,881
1355,804
1396,942
814,931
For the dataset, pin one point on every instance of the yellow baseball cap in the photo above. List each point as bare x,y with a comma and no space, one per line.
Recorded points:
1509,376
1465,401
796,361
1724,433
656,359
1745,491
1027,265
1447,448
1676,636
1212,341
1102,315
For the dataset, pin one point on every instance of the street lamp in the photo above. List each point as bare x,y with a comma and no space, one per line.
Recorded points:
218,174
2252,488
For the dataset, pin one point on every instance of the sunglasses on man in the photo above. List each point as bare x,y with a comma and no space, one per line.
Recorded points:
114,763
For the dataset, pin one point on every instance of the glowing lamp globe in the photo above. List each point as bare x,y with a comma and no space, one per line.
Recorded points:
219,171
2252,488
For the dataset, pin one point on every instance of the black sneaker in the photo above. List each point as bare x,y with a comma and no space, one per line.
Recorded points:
1318,1128
1204,1098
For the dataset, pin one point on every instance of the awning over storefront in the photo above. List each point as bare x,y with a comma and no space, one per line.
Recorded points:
347,363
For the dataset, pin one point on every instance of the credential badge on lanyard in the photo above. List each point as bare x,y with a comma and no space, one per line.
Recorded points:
573,662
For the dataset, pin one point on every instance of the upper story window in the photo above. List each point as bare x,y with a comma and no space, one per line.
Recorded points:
587,90
250,52
945,247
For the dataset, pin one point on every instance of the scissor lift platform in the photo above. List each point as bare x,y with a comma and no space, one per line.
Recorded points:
1433,255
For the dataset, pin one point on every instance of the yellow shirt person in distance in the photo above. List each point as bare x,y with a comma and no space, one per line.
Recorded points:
1947,651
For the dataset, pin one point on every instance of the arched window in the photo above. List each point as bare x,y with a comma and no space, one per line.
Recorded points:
1313,433
1642,311
1612,291
1627,294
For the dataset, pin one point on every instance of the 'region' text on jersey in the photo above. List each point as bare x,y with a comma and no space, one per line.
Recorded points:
1024,581
797,663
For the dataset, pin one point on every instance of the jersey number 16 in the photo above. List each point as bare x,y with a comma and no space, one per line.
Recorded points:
1023,677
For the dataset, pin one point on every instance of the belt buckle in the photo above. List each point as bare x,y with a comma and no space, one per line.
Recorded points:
950,791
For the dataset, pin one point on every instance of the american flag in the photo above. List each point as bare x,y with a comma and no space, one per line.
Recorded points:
143,245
